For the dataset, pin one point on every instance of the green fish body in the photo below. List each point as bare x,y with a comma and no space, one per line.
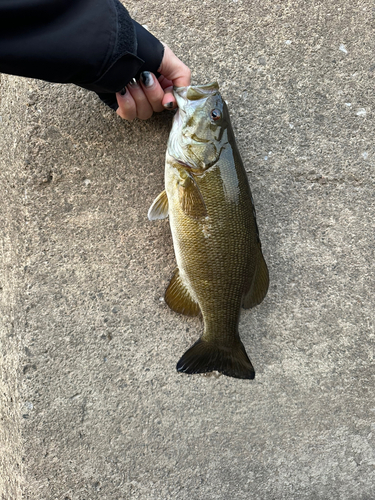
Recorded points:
215,236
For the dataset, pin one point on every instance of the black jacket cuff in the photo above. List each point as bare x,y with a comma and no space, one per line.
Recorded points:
149,56
149,49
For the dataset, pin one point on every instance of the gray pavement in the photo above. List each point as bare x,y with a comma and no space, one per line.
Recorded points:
92,407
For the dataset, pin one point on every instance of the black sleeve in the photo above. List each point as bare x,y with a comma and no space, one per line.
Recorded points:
92,43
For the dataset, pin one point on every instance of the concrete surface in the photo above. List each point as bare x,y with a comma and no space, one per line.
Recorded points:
92,407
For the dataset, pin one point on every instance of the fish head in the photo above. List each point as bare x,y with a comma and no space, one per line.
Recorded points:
199,131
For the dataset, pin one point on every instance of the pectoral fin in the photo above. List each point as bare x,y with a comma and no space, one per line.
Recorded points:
159,208
259,284
178,297
191,199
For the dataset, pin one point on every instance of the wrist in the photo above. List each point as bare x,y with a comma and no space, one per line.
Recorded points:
149,49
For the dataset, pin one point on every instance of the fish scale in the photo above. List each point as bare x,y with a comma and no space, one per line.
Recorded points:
215,235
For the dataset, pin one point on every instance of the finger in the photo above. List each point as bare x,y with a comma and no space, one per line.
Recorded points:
152,90
169,101
126,105
175,70
144,108
164,82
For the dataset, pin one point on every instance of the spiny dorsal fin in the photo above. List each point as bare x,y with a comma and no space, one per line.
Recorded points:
204,357
178,297
258,286
191,199
159,208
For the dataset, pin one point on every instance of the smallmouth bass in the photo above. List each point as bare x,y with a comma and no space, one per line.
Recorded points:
215,235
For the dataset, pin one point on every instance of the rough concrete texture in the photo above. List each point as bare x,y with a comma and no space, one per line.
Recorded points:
92,407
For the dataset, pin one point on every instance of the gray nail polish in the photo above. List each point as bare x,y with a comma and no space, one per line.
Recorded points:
147,79
123,91
169,105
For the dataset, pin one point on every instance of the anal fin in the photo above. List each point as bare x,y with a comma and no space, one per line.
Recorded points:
259,285
178,297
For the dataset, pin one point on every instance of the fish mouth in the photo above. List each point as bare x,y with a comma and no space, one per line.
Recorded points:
208,88
194,92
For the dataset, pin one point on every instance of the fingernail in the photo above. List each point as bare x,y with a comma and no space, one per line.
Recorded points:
169,105
123,91
147,79
133,83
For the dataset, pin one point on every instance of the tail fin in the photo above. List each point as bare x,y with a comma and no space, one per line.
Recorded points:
205,357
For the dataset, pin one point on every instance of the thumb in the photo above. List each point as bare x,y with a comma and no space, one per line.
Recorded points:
169,100
174,69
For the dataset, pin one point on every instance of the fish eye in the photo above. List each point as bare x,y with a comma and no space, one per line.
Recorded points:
215,114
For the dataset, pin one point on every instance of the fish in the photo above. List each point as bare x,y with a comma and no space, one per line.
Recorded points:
220,265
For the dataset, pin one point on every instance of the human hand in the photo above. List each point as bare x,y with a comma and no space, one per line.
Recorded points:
150,94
